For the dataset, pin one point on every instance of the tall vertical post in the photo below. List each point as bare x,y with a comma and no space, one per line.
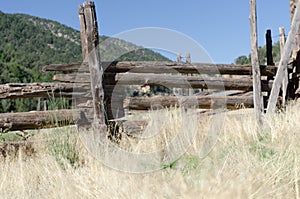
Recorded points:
269,54
189,61
284,60
178,58
82,31
285,76
178,90
90,37
257,95
188,58
293,5
295,53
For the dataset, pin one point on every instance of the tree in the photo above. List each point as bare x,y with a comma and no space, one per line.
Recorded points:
242,60
261,55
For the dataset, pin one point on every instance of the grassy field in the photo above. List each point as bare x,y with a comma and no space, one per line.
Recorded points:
243,162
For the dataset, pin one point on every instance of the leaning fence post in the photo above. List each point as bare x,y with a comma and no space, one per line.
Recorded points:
293,5
93,57
269,55
285,76
257,95
288,47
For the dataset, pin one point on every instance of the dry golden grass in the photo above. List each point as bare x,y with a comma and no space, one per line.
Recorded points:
242,164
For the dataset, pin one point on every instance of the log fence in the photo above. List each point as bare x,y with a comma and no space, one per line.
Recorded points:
97,88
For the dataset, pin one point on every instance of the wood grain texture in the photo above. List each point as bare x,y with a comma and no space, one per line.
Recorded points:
41,119
204,102
164,67
32,90
257,95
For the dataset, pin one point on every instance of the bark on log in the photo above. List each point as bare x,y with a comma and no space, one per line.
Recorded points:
180,81
31,90
134,127
83,78
165,67
171,81
68,67
204,102
73,78
41,119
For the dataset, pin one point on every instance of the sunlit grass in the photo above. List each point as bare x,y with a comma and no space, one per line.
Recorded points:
243,163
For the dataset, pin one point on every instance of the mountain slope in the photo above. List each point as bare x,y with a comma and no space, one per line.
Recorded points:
28,42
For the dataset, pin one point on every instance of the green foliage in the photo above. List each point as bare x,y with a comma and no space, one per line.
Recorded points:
242,60
171,165
9,137
65,149
15,136
186,164
261,55
261,149
28,42
191,163
58,103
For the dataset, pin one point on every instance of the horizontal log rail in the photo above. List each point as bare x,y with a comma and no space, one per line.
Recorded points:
72,77
41,119
203,102
31,90
180,81
57,118
171,81
82,78
164,67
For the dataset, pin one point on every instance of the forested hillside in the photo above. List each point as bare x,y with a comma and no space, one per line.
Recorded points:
27,43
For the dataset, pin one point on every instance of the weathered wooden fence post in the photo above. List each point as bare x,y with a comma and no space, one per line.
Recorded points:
178,58
285,76
288,48
295,86
257,95
293,4
114,95
82,31
178,91
189,61
270,62
188,58
90,42
269,46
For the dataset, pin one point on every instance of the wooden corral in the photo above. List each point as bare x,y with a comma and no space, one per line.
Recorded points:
97,88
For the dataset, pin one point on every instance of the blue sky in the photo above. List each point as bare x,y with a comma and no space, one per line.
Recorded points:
221,27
